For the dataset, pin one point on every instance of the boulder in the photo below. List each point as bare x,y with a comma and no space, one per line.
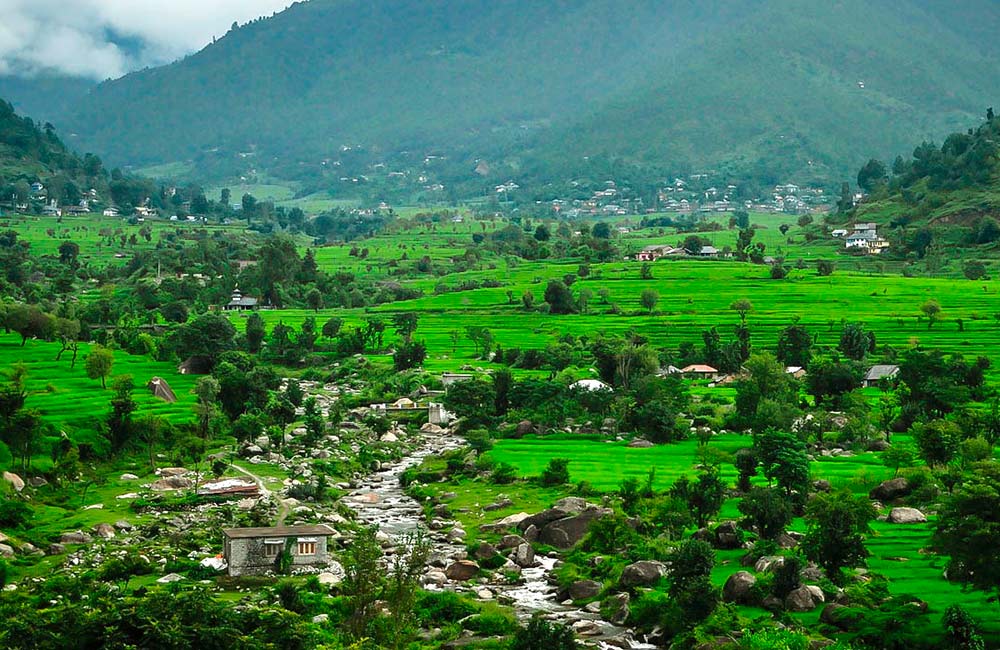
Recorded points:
78,537
565,533
768,563
170,577
786,541
510,541
524,427
435,577
319,619
37,481
129,477
831,615
906,516
122,524
531,533
104,530
640,444
617,608
15,481
878,445
462,570
6,551
485,551
56,549
891,490
821,485
801,600
524,556
171,471
641,574
738,588
585,589
171,483
727,536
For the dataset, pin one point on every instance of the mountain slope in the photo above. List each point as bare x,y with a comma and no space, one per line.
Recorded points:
769,87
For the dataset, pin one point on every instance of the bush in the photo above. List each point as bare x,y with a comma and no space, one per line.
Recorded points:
435,608
539,633
556,473
13,514
491,624
503,474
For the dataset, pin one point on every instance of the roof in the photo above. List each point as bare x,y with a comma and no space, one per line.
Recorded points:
244,301
709,250
321,530
699,368
590,384
880,372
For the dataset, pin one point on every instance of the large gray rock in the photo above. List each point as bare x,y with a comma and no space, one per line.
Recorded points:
510,541
485,551
104,530
565,533
641,574
727,536
462,570
524,556
831,615
78,537
769,563
802,599
617,608
738,588
891,490
524,427
171,483
585,589
906,516
6,551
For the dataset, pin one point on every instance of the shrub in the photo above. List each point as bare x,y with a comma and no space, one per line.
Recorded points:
503,474
491,624
13,514
435,608
556,473
539,633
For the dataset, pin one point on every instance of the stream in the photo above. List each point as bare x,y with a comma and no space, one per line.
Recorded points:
380,500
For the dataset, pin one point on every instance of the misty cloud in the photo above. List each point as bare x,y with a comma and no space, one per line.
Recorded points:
108,38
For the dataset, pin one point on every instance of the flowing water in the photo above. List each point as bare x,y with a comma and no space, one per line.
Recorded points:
380,500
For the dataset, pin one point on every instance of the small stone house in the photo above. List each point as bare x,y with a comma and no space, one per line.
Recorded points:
255,551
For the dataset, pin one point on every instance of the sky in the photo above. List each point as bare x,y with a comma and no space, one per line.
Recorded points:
102,39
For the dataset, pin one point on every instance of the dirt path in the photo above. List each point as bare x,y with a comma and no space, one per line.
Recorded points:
283,508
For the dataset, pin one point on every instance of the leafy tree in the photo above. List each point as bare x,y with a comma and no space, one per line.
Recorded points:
704,497
482,339
528,300
208,335
332,327
256,331
767,510
30,322
743,306
207,391
646,271
559,298
872,175
409,354
405,324
542,233
22,434
856,342
974,270
837,525
938,441
795,346
961,631
601,230
122,406
69,253
897,456
746,466
649,298
99,363
314,299
968,529
932,310
784,460
825,268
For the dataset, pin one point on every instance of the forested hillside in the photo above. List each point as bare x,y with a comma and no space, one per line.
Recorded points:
551,90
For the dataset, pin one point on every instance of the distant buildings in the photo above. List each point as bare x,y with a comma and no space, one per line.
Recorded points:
239,302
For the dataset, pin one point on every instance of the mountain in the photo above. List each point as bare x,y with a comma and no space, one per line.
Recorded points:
548,90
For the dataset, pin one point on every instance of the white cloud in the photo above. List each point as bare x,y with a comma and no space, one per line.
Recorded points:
84,37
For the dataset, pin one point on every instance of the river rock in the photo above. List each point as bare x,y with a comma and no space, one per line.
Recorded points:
505,524
564,524
78,537
170,577
104,530
389,436
56,549
891,490
821,485
531,533
644,573
585,589
37,482
524,556
738,588
510,541
171,483
435,577
129,477
319,619
640,444
485,551
171,471
769,563
801,600
617,608
456,534
15,481
6,551
586,628
462,570
727,536
906,516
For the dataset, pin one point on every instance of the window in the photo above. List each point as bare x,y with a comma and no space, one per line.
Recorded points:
305,546
273,547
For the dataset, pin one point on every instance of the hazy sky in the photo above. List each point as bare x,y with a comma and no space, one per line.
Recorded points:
107,38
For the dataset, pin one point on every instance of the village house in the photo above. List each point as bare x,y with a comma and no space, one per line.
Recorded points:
111,212
700,371
865,238
449,378
239,302
876,374
255,551
656,251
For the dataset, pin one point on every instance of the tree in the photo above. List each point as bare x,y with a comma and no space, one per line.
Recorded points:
559,298
542,233
784,460
649,298
482,339
69,252
556,472
122,407
207,391
896,457
249,204
932,310
825,267
99,363
21,434
208,335
746,466
314,298
837,525
856,342
974,270
528,300
255,333
332,327
968,529
601,230
961,631
846,202
795,346
405,324
646,271
743,306
872,175
409,354
29,321
938,441
767,510
704,497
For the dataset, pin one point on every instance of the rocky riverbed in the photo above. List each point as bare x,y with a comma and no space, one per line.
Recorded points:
380,500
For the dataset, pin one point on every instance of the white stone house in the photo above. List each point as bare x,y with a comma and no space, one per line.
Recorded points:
256,551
